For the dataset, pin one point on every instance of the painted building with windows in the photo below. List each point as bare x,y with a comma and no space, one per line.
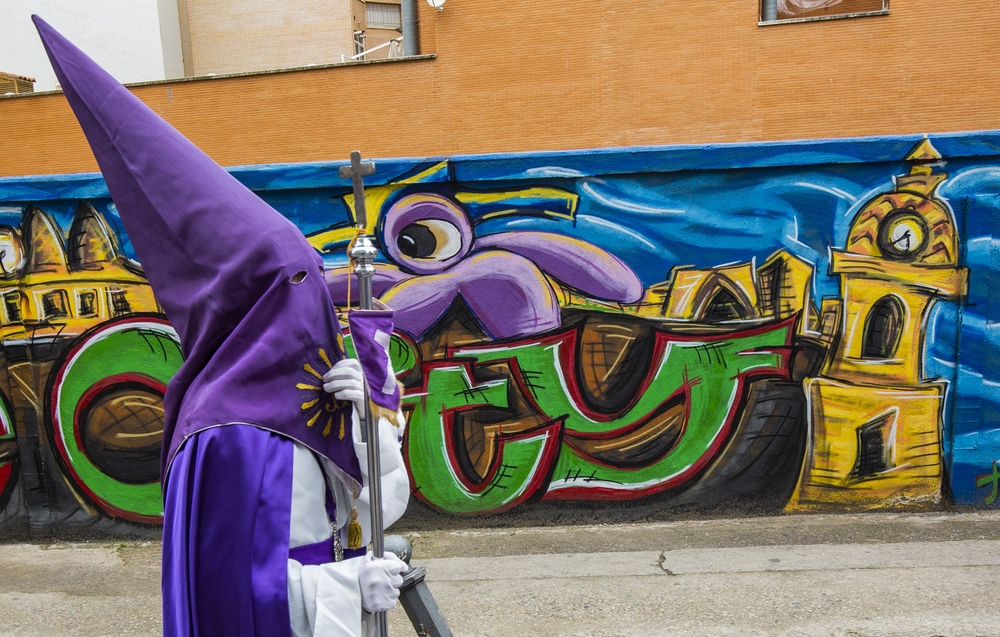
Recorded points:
76,286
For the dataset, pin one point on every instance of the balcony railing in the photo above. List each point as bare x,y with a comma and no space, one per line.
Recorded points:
394,45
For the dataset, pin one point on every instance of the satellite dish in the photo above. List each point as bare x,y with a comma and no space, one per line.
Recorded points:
437,4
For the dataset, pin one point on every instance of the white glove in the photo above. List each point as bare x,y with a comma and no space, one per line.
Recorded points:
346,381
380,581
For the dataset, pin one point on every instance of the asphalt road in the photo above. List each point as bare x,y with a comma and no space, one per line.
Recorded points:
839,575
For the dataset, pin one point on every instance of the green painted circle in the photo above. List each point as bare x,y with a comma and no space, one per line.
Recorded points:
144,348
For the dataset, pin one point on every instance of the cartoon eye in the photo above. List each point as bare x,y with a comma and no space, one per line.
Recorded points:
430,239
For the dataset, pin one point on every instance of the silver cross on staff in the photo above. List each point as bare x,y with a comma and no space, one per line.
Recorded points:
363,254
357,171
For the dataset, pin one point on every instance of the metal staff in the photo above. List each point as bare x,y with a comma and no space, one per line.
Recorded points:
363,253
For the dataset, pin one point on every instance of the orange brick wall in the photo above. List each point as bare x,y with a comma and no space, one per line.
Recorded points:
567,74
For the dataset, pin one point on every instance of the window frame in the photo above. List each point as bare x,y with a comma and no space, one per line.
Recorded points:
892,313
54,311
13,299
761,22
95,298
119,303
369,25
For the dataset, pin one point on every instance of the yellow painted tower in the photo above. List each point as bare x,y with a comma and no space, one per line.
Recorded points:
875,424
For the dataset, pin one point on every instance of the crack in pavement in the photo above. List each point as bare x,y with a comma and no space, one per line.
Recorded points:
661,561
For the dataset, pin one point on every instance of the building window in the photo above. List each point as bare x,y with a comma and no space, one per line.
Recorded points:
873,456
883,328
829,318
802,10
87,303
12,306
382,15
768,294
119,304
55,304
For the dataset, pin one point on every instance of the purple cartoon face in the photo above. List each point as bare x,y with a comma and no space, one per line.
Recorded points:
505,280
426,233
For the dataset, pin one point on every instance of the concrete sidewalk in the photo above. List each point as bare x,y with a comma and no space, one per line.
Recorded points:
846,575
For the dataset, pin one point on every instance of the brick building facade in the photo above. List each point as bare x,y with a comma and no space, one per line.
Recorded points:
564,75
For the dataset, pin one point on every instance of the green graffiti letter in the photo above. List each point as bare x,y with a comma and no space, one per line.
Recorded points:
435,473
708,371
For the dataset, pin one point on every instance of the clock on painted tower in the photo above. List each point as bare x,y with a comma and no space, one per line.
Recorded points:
902,234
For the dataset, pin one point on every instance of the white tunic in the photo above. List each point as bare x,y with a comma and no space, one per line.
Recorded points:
324,600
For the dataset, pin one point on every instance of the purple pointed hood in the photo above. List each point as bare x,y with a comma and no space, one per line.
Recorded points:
238,281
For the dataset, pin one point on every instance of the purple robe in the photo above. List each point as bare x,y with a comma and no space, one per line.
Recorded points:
222,580
231,579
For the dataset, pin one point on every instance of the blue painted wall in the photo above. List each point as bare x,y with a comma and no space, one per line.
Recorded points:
656,209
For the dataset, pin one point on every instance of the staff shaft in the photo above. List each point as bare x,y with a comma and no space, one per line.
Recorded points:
364,253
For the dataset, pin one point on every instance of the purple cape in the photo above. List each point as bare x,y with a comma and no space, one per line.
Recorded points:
239,282
226,518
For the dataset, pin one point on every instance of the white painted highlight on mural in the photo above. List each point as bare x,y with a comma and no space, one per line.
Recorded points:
621,204
983,172
830,190
626,231
554,171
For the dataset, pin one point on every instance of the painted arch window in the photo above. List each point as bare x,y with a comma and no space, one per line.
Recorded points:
883,328
776,11
874,455
724,306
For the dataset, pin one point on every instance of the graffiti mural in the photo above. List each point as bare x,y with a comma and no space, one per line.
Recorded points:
790,330
87,357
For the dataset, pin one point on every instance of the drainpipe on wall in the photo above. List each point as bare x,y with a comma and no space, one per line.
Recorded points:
769,11
411,42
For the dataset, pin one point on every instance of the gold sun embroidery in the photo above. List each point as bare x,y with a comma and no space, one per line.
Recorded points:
319,406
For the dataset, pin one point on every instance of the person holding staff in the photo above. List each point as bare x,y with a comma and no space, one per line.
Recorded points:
263,465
